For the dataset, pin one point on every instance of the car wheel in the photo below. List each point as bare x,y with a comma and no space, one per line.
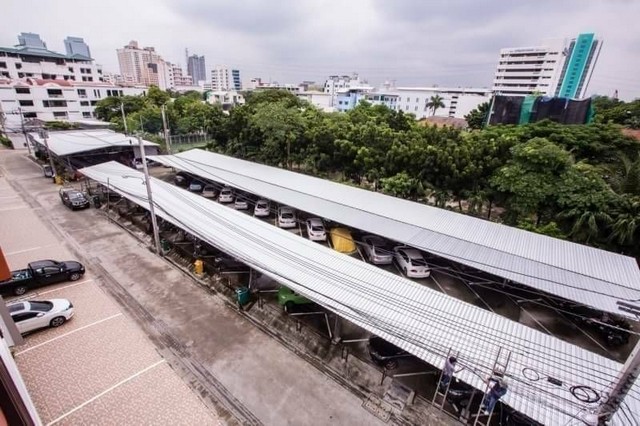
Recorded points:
19,291
391,364
74,276
288,307
57,321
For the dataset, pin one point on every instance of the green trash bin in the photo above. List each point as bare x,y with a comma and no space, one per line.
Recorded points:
243,295
165,245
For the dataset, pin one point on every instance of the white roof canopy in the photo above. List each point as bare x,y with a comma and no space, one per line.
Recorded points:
77,141
420,320
589,276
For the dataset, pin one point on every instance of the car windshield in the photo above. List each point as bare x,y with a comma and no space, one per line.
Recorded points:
261,205
317,228
76,195
418,261
209,188
225,192
241,202
286,215
41,306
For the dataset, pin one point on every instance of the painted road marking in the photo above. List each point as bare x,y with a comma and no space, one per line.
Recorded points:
89,401
30,249
68,334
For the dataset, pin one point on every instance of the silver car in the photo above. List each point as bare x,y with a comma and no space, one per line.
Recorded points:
377,250
315,229
226,195
262,209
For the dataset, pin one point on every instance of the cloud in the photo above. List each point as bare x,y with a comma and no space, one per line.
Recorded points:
414,42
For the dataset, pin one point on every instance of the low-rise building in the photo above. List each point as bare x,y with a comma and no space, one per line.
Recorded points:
227,99
50,100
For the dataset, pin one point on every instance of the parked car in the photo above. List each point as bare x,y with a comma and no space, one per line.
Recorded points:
225,263
41,273
226,195
411,262
377,250
33,315
209,191
241,203
262,208
73,198
196,186
182,180
315,229
287,217
385,354
288,298
342,241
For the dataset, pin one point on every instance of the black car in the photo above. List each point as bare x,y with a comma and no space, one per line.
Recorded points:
385,354
73,198
41,273
182,179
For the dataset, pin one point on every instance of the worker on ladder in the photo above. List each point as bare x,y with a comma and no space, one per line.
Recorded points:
447,372
495,392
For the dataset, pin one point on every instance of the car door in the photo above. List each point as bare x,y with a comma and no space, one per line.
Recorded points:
28,321
50,274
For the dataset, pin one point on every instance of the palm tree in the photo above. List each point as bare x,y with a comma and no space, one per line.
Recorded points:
627,221
435,102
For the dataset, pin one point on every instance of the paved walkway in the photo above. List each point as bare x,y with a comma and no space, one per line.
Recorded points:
240,372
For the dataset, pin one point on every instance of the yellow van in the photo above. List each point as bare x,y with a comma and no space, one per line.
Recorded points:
342,241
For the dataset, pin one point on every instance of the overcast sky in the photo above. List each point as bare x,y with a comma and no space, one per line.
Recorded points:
414,42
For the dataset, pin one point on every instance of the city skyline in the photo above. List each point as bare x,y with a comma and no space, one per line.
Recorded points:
410,43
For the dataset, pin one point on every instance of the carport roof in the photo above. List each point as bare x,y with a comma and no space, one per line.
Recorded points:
77,141
589,276
420,320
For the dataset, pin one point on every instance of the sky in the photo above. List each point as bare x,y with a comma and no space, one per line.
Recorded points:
452,43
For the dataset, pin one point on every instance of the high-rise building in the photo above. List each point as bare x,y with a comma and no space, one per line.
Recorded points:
196,68
175,77
557,68
144,65
223,78
31,40
76,46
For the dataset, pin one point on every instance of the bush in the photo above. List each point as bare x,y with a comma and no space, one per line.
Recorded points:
6,141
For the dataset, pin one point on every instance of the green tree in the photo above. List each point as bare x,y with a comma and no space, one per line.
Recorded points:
157,96
401,185
477,117
435,102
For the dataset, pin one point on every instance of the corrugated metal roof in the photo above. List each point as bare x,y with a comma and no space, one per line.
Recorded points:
77,141
420,320
583,274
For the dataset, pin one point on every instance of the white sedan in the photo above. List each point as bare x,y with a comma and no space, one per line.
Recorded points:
241,204
287,217
411,262
262,209
32,315
377,250
315,229
226,195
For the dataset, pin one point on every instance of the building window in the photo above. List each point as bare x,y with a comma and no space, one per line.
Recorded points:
417,100
70,69
18,65
23,90
94,103
3,65
54,93
54,104
86,114
20,75
30,115
25,103
408,99
84,103
82,93
60,114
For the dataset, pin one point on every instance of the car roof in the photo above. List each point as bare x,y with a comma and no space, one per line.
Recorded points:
43,263
374,239
286,209
16,307
315,220
411,252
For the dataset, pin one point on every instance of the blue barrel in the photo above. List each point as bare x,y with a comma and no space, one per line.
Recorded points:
243,295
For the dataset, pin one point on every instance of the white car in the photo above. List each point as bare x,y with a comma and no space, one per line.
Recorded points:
411,262
226,195
315,229
209,191
262,209
32,315
287,217
377,250
241,203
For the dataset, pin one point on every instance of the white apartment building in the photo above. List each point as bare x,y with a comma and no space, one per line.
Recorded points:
118,79
30,62
335,83
175,76
560,67
225,79
227,99
50,100
458,102
145,65
318,99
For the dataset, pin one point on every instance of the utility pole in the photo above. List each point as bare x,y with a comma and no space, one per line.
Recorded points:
167,137
147,182
124,118
44,135
24,132
620,386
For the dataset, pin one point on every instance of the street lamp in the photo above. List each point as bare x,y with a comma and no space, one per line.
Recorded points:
146,181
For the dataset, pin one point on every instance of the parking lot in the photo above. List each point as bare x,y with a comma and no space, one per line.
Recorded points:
96,368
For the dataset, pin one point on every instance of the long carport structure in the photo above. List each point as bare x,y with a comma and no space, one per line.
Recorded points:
592,277
420,320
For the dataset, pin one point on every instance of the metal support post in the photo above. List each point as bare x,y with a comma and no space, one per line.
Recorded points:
156,234
620,386
44,134
167,138
24,132
124,118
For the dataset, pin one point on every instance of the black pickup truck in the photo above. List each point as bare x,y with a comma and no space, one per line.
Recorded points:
41,273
